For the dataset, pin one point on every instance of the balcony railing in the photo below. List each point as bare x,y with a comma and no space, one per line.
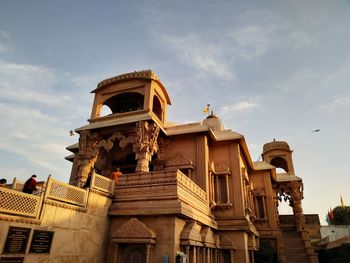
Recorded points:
15,202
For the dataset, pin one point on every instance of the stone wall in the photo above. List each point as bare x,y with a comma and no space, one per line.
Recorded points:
79,233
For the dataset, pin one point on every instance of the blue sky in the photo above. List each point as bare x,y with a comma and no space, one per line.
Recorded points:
270,69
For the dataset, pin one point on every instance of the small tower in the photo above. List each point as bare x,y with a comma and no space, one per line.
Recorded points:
127,137
278,154
138,93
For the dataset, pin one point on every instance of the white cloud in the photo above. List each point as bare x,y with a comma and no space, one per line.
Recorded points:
4,38
195,52
251,41
37,113
337,104
30,83
239,107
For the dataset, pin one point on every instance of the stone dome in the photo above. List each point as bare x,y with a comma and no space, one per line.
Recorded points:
274,145
213,122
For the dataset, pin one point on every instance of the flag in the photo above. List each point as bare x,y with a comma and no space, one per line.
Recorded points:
341,201
327,219
206,109
330,214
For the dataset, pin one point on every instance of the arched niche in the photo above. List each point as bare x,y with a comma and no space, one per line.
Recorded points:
279,162
125,102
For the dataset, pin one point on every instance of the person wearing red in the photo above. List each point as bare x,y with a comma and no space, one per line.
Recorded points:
30,185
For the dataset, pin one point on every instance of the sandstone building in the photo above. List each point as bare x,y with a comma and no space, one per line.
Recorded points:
188,193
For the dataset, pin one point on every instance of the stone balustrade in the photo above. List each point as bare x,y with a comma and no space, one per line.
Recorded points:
16,203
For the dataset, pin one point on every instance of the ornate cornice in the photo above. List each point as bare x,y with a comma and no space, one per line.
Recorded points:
144,74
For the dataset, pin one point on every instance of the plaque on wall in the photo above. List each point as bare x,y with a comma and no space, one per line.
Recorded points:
17,240
41,241
11,259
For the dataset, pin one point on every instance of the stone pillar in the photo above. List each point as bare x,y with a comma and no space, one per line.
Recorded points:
115,258
143,159
145,144
148,253
231,255
215,255
194,258
297,196
188,253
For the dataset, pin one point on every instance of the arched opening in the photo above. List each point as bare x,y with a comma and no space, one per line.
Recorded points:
284,208
125,102
105,110
125,160
157,107
281,163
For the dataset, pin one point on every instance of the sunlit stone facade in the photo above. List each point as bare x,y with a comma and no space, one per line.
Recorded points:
189,191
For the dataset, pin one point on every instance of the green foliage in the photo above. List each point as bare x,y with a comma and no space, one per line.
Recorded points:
341,215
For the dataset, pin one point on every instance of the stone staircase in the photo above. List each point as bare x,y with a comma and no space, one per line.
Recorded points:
294,247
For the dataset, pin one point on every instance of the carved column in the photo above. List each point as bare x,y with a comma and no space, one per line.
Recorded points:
297,195
145,144
89,150
87,142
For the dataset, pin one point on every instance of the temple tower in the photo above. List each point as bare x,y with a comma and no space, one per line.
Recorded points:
289,187
128,113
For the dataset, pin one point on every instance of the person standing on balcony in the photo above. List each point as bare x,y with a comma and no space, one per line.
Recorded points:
115,175
30,185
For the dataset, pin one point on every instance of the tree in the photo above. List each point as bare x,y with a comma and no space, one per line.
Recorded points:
341,215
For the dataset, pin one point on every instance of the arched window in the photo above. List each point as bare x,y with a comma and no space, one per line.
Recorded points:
125,102
105,110
279,162
157,107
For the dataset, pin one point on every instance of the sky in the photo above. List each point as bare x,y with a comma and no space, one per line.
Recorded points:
269,69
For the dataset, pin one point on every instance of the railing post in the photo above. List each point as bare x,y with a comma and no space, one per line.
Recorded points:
43,197
13,186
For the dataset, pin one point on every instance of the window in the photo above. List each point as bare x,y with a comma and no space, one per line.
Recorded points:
219,186
125,102
260,206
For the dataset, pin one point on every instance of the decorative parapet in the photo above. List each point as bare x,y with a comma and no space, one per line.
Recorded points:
17,185
18,203
63,192
102,184
191,187
22,207
176,189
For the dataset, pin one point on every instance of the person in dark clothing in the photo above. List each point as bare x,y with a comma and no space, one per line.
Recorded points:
3,182
88,181
30,185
